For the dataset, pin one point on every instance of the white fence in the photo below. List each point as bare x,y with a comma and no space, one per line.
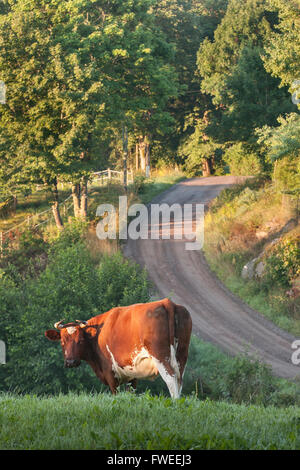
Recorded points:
107,175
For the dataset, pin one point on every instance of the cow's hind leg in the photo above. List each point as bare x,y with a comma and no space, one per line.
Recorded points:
169,374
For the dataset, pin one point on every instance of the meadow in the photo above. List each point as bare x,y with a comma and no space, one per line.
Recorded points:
142,422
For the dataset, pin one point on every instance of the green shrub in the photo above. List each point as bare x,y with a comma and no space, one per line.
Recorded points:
248,381
120,282
242,161
29,259
287,173
283,264
139,183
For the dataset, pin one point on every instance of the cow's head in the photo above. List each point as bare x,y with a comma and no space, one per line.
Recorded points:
73,341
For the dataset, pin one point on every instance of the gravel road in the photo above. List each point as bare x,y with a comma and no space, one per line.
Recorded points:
218,316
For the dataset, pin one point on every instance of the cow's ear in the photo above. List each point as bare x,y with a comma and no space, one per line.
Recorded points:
52,335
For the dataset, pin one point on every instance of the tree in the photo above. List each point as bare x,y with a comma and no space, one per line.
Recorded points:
231,73
186,23
282,51
51,66
75,70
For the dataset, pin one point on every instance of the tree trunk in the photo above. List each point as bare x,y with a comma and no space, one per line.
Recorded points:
142,150
207,167
83,199
136,156
76,199
125,156
147,159
55,209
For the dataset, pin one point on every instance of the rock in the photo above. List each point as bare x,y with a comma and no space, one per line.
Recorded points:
254,268
248,269
259,269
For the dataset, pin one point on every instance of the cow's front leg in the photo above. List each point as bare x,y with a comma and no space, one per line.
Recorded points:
113,383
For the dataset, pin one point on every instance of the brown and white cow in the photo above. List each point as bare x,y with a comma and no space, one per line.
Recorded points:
129,343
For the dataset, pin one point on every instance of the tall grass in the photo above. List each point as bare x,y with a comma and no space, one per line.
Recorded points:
100,421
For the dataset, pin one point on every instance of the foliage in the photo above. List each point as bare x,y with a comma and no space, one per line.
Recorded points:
84,70
283,262
242,160
282,140
287,175
121,283
232,74
282,50
198,147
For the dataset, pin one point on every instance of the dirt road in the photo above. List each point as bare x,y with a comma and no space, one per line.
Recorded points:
218,316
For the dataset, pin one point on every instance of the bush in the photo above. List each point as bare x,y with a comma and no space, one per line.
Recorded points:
248,381
30,257
242,161
287,174
283,264
139,183
121,283
215,375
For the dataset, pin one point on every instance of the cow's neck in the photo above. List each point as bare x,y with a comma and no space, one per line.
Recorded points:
95,358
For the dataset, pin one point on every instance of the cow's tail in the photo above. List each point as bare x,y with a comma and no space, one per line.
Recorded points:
170,307
176,382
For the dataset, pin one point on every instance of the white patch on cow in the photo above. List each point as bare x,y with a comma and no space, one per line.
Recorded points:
173,382
173,361
142,366
145,366
170,380
71,329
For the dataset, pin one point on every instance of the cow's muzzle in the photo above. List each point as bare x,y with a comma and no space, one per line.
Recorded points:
72,363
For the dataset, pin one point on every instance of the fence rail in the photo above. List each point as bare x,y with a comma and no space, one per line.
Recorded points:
109,174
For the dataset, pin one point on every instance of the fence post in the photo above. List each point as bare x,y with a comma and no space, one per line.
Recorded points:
109,173
125,155
1,244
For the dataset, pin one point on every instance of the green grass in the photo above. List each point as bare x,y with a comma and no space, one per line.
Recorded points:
159,183
101,421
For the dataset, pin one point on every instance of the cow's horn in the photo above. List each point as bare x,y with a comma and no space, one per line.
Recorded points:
58,324
82,324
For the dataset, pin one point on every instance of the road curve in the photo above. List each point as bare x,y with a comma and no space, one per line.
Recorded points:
218,316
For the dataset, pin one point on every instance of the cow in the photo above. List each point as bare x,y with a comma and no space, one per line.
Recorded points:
130,343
